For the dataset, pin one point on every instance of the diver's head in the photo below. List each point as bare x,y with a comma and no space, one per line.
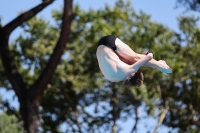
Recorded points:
135,80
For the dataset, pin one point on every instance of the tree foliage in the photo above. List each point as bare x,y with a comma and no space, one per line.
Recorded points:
193,5
184,101
9,123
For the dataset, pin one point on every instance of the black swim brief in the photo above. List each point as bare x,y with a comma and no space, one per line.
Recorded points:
108,41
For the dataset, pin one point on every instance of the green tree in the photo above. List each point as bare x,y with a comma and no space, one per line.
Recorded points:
80,97
77,82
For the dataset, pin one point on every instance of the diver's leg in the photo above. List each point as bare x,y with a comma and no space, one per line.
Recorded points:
125,52
127,55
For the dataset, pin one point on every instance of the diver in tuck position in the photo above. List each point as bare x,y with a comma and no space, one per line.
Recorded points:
118,62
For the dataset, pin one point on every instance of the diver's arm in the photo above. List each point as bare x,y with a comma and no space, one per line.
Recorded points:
130,69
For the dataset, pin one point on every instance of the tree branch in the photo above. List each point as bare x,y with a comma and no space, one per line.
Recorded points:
162,117
54,60
9,65
136,119
194,117
26,16
77,121
114,127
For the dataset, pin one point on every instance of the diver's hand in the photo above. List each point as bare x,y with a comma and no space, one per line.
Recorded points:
150,55
163,67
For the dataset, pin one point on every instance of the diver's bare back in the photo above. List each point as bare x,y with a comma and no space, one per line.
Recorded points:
110,64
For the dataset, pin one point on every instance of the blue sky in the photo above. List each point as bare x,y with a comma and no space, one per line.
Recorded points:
161,11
